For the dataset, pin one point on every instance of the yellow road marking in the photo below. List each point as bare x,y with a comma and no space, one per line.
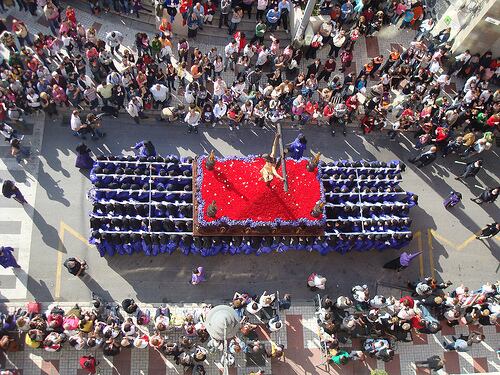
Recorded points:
418,236
60,246
63,228
431,254
458,247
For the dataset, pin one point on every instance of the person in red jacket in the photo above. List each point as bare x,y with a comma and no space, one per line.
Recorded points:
88,363
70,15
442,137
367,124
352,105
493,121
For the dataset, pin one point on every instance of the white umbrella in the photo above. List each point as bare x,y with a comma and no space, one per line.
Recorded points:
222,322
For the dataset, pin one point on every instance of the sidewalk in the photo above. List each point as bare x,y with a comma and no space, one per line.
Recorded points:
302,353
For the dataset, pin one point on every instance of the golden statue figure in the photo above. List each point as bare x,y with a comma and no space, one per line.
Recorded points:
318,209
313,162
268,171
212,209
210,163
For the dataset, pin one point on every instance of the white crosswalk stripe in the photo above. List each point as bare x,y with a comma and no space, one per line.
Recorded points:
21,240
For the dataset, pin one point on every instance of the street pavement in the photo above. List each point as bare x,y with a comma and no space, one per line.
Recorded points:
55,225
62,206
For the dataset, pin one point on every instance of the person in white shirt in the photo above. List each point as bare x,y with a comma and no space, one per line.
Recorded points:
315,281
113,40
460,61
378,302
192,119
266,300
134,108
166,53
220,110
275,324
229,54
261,9
425,28
219,88
76,123
247,109
249,50
238,89
114,78
159,93
33,99
443,80
471,82
485,95
253,307
262,57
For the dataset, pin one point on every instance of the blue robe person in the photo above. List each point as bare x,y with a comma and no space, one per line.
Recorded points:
452,199
7,258
83,159
297,147
145,148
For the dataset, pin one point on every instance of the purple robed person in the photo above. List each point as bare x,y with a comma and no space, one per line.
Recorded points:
83,159
297,147
198,276
453,199
401,262
7,258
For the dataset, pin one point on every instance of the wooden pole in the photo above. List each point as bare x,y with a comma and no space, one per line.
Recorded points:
282,154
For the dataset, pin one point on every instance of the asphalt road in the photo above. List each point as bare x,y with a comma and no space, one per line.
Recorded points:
61,212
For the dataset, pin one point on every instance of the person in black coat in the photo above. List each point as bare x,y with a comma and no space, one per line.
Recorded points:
425,158
471,169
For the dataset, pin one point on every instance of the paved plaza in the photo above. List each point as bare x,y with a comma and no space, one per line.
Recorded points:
55,225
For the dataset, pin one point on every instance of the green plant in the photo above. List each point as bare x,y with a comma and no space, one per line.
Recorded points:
316,10
378,372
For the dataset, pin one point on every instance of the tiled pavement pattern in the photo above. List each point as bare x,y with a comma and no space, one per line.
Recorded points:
16,221
134,361
302,353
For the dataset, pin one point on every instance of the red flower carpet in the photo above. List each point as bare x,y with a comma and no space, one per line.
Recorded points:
239,194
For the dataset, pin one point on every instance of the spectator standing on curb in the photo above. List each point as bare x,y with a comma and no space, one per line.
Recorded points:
192,118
